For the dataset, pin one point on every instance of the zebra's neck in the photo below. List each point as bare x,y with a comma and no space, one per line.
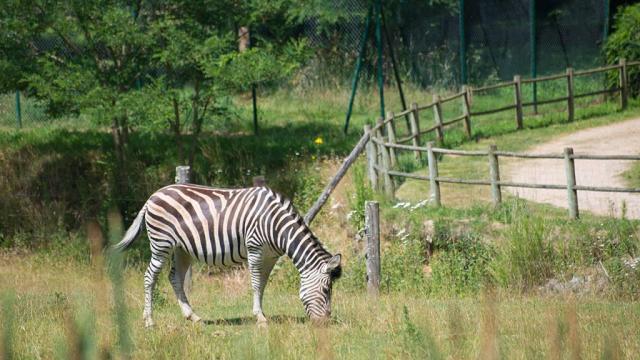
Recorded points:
304,249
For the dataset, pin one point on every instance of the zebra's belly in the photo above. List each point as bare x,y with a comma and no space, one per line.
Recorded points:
222,251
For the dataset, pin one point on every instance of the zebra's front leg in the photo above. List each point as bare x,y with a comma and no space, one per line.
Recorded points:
260,267
177,276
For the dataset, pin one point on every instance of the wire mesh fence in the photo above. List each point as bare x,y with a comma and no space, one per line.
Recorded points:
496,38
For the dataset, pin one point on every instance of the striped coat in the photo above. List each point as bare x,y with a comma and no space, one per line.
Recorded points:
225,227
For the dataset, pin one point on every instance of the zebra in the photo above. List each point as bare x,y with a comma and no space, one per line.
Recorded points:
226,227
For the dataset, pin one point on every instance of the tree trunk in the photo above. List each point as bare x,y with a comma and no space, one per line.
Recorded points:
196,126
177,131
120,132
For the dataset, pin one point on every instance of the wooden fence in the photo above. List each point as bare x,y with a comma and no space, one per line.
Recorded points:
416,129
382,157
493,155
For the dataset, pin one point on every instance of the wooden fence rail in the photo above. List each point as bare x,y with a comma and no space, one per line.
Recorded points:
494,181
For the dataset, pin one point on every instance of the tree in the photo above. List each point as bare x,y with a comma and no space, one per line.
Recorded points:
141,64
624,42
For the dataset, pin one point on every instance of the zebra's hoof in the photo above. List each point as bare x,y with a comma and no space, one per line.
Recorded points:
194,318
262,321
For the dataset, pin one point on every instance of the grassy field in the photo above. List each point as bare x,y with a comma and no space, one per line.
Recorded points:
56,302
438,264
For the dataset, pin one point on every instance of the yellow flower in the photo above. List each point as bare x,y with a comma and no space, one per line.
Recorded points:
318,141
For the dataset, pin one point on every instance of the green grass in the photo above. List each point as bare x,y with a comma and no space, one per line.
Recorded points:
632,176
433,275
49,310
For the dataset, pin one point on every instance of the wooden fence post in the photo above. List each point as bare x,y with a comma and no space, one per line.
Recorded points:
570,99
433,174
494,172
466,110
183,176
372,229
415,128
437,116
624,91
386,162
518,98
572,193
372,159
391,135
259,181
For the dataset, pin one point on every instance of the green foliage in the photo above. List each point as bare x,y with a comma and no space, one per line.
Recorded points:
624,42
8,324
362,192
402,267
420,344
460,266
527,258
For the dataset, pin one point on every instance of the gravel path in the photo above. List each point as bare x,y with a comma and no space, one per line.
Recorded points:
621,138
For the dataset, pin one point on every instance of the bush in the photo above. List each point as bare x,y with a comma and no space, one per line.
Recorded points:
624,42
527,258
461,266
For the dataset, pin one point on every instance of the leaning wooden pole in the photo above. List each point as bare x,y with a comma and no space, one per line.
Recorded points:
311,214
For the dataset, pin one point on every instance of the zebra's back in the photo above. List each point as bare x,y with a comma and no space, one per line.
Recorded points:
209,224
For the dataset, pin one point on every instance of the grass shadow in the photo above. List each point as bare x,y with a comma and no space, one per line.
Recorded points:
248,320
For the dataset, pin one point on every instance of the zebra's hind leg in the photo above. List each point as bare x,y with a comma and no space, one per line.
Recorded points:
181,264
158,259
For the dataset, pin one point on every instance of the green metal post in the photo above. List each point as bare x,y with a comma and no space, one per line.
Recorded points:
254,97
18,110
380,59
463,45
534,51
356,75
605,32
392,56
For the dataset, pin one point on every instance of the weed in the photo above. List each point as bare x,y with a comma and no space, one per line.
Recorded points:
527,258
418,344
361,193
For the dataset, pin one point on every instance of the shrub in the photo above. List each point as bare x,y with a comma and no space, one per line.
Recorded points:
624,42
460,267
362,192
527,258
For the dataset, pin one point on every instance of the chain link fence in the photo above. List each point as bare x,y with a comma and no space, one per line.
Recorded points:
497,39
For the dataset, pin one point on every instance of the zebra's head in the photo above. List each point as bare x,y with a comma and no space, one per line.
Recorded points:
316,286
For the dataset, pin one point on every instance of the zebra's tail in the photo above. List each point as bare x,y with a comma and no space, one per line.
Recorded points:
132,231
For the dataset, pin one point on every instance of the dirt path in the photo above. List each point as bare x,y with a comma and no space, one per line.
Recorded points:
620,138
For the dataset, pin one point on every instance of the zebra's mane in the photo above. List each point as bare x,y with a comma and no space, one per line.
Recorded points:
291,210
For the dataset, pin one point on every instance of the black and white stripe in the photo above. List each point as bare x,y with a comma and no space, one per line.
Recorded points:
224,227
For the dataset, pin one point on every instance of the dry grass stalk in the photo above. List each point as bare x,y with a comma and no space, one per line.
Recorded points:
574,334
324,350
74,338
96,245
456,326
554,336
489,330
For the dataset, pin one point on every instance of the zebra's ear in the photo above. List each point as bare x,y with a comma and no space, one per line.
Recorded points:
333,263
